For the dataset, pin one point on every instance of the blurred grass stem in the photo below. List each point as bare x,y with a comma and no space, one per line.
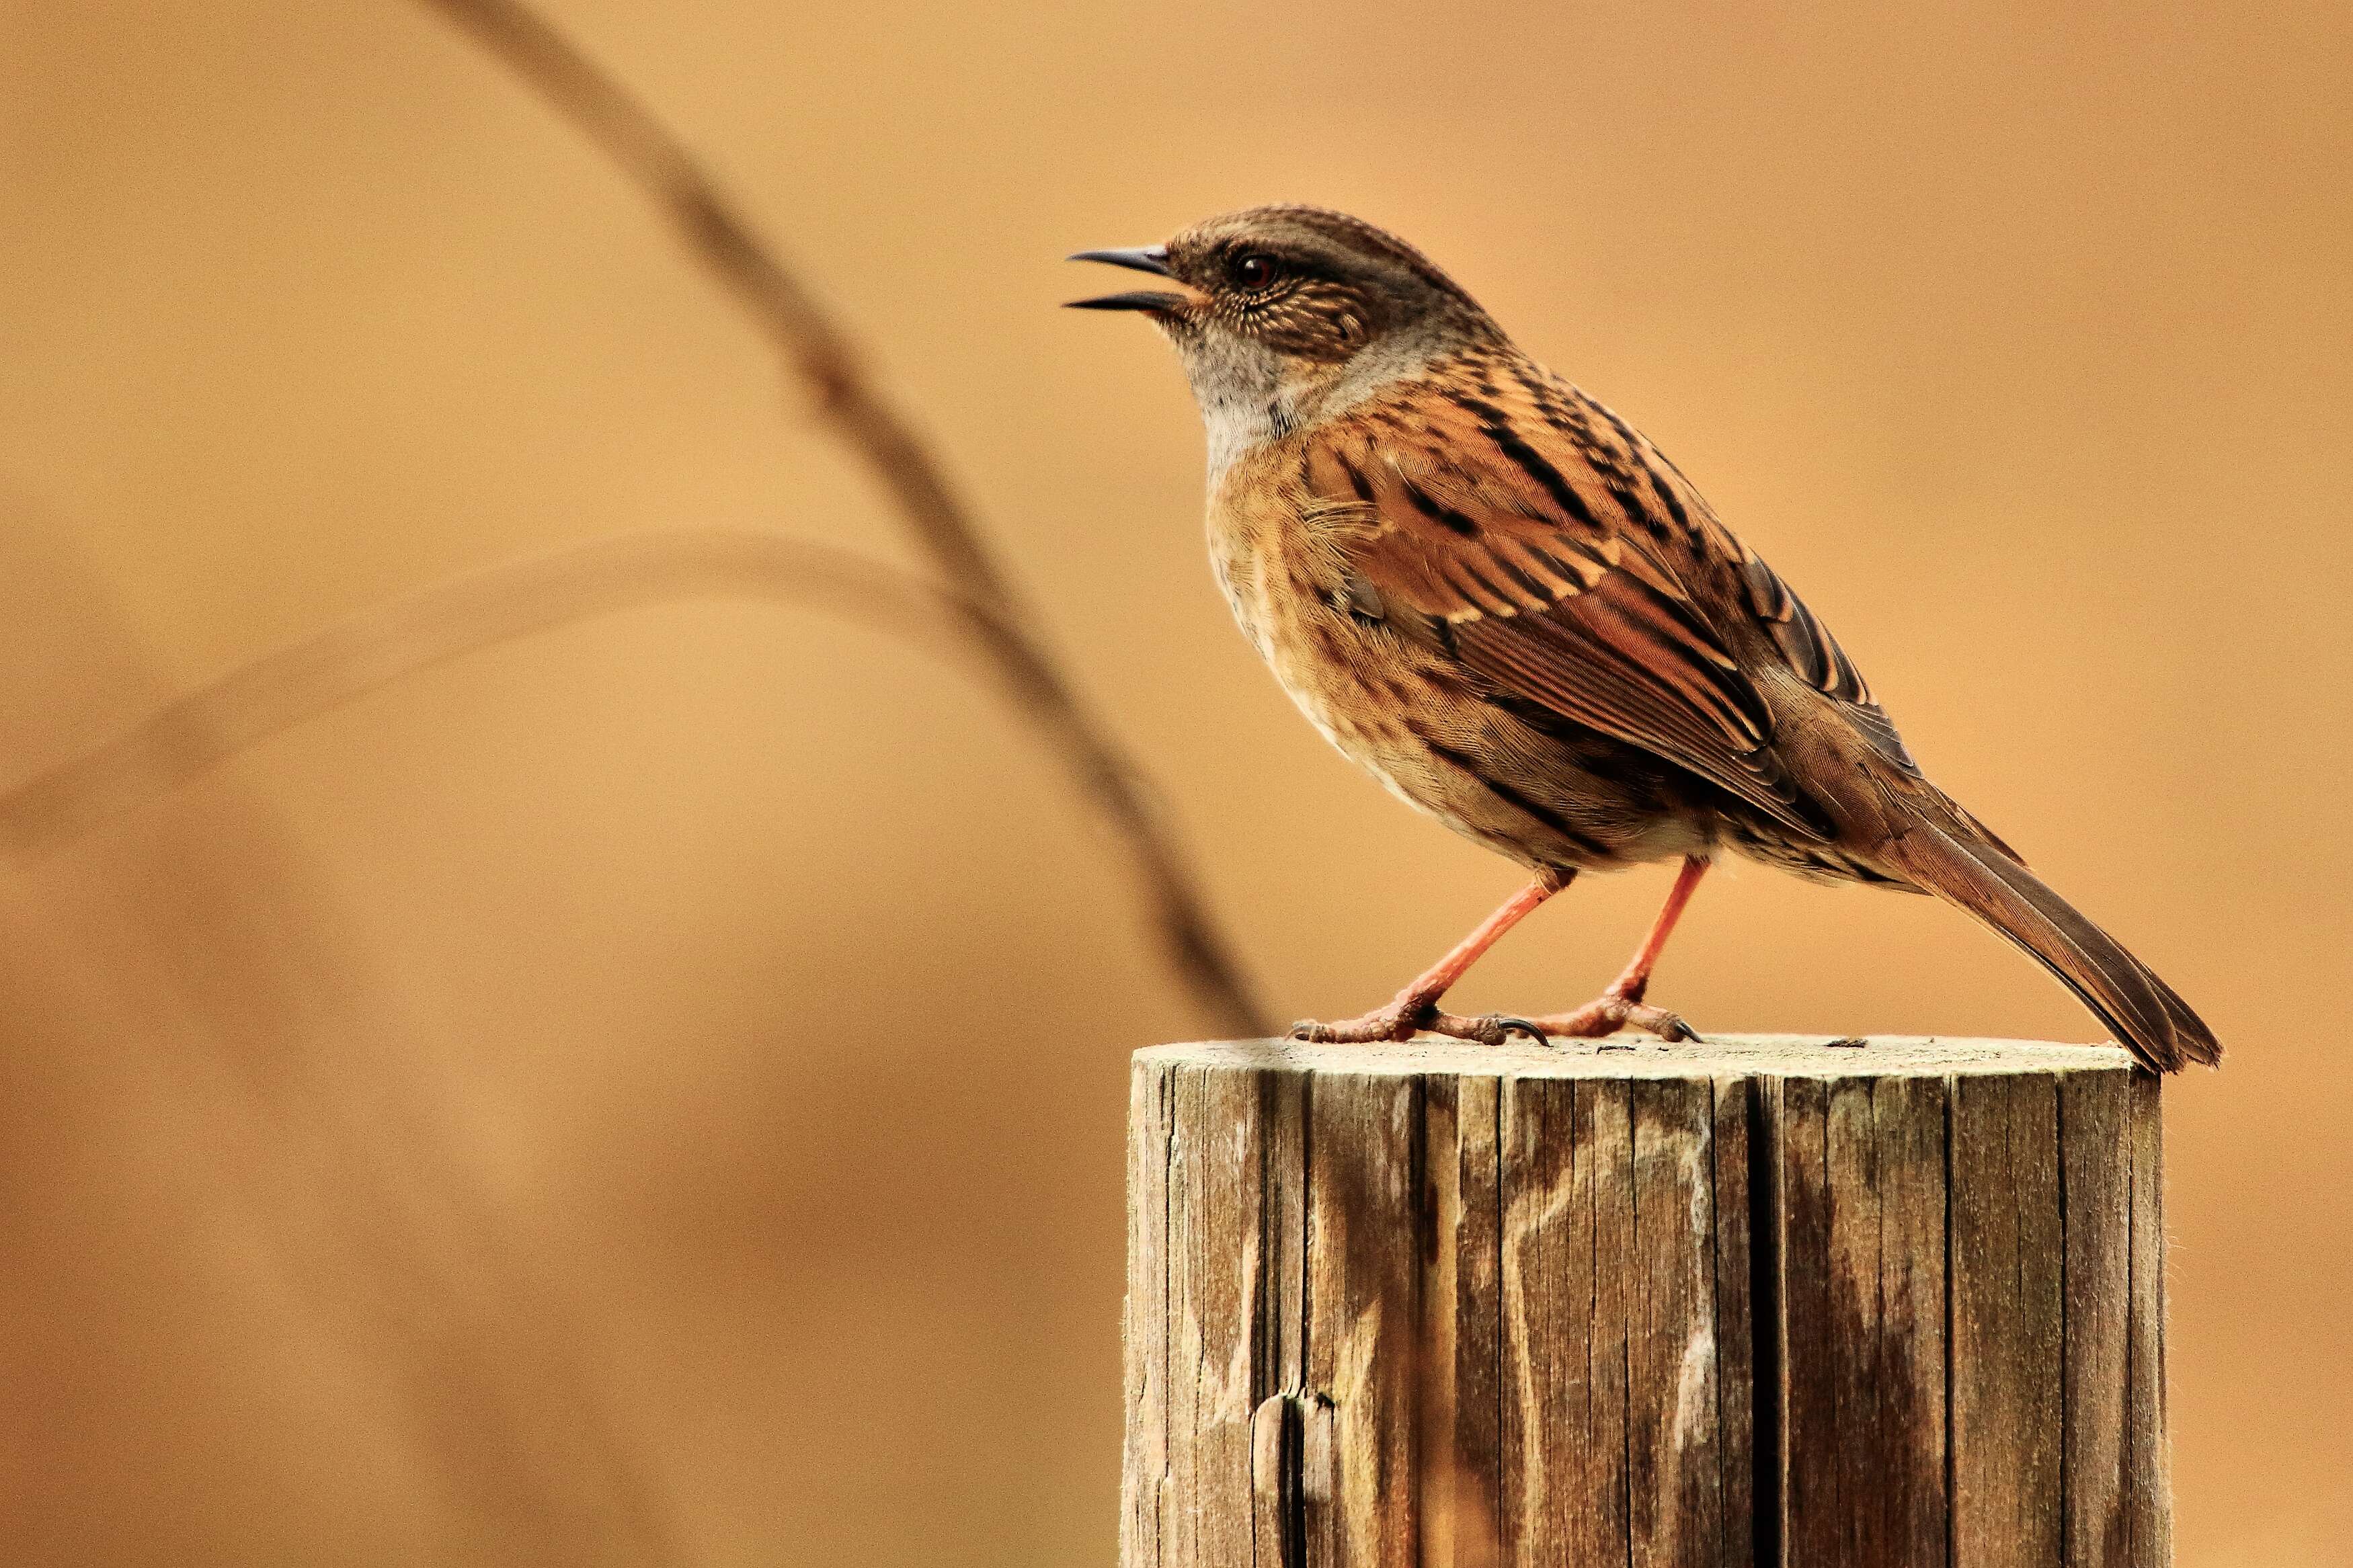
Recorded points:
870,426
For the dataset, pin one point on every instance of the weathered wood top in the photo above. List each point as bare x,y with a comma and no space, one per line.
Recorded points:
1644,1056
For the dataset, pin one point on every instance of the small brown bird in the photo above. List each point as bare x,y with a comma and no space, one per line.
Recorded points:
1491,590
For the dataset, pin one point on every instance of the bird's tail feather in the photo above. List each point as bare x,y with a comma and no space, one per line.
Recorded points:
2157,1025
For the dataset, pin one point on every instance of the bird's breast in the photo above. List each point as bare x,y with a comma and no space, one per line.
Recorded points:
1284,576
1387,706
1401,706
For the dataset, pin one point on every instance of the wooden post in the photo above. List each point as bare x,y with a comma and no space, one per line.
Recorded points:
1768,1301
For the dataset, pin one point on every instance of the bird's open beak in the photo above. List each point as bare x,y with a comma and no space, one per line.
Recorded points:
1152,259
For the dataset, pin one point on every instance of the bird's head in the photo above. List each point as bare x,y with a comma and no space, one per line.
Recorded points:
1285,314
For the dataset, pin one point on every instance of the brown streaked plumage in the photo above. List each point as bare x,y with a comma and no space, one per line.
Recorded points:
1501,599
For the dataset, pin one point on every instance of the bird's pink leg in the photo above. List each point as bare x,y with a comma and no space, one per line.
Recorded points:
1416,1006
1621,1004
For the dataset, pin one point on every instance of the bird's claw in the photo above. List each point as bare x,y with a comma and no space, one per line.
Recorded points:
1321,1034
1397,1021
1402,1022
1609,1014
1668,1027
1484,1029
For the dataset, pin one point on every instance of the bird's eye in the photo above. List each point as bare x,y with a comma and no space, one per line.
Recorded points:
1254,271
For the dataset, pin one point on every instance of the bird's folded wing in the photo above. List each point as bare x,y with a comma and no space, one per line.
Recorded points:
1539,545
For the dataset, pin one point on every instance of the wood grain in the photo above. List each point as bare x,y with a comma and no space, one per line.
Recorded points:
1863,1363
2009,1330
1765,1302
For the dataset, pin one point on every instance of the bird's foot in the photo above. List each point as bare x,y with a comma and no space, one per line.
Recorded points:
1410,1015
1612,1010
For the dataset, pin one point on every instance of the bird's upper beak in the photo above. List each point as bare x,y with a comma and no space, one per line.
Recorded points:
1152,259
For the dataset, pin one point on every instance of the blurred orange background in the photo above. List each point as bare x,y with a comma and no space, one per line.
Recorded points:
654,1091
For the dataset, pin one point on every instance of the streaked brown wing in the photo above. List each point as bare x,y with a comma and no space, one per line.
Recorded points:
1537,538
1818,660
1618,452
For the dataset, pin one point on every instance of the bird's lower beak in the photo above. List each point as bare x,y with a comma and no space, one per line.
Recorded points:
1152,259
